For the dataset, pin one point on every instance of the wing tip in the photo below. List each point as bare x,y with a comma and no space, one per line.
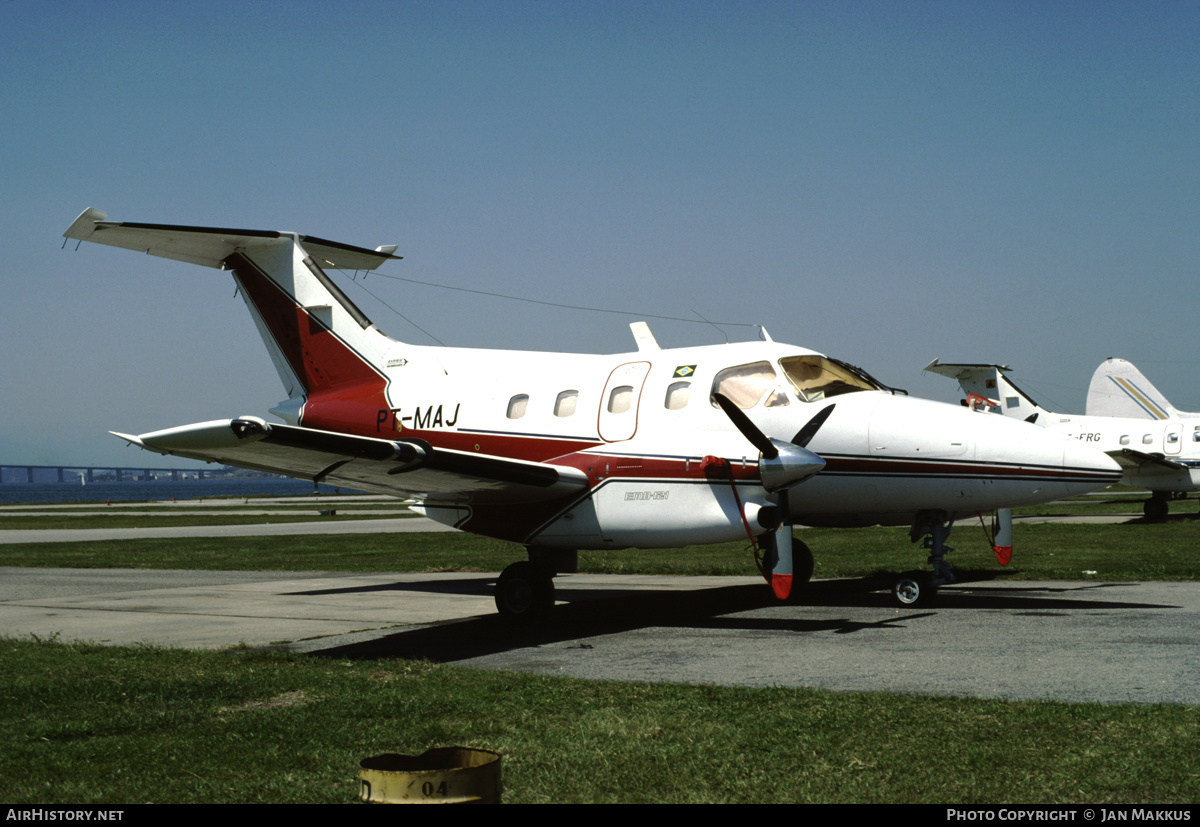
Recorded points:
83,226
130,438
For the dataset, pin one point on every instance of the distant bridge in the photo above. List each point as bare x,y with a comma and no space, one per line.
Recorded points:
109,473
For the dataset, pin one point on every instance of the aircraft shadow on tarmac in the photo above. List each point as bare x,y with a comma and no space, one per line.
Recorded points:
590,612
473,587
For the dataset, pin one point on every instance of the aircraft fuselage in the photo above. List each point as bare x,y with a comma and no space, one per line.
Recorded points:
640,425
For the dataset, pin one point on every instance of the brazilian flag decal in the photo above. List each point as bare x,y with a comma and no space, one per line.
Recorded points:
684,370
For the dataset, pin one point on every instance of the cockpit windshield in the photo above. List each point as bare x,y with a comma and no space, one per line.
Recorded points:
745,385
816,377
812,378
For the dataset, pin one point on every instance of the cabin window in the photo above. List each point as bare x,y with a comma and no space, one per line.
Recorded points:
517,406
677,396
1196,436
1125,439
815,377
564,405
1172,439
620,399
1148,439
744,385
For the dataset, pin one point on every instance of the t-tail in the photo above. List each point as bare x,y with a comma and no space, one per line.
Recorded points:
989,388
1119,389
328,354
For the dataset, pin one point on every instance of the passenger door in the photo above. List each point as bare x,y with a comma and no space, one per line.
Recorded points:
619,404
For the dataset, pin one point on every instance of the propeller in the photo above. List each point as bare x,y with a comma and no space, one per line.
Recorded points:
783,465
805,434
748,429
767,446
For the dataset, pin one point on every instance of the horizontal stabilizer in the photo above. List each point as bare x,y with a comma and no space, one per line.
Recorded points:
411,469
210,246
960,370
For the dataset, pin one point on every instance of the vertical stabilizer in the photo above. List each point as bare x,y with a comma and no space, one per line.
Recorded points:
318,339
1119,389
324,348
327,352
988,387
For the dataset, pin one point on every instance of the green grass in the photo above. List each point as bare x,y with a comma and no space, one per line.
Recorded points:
84,724
1044,551
1111,503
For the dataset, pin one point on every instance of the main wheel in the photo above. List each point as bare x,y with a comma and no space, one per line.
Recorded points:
802,563
525,592
802,571
913,589
1156,509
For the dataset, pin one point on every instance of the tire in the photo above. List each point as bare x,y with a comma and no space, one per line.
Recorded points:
802,563
913,589
802,571
524,592
1156,509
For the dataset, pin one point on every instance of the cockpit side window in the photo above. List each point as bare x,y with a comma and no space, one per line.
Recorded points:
777,399
815,377
745,385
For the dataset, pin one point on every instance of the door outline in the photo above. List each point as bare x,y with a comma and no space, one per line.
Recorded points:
618,427
1173,429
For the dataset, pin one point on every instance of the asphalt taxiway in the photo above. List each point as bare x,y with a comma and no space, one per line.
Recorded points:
1068,641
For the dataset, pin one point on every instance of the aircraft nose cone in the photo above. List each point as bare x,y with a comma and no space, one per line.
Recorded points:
1030,464
1089,468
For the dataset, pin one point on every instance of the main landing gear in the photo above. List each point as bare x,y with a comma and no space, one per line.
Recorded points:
802,562
525,590
919,588
1158,506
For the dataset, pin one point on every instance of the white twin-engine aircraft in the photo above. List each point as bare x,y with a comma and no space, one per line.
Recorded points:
561,452
1157,446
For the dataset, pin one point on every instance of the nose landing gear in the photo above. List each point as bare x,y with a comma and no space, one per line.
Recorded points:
913,588
918,588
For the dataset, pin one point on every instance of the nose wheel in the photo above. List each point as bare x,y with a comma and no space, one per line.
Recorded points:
914,588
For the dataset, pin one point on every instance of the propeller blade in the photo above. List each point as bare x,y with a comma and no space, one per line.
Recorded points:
748,429
805,434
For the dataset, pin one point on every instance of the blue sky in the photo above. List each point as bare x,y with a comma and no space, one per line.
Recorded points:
886,182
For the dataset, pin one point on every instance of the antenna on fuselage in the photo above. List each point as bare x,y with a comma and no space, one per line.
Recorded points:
722,332
642,335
